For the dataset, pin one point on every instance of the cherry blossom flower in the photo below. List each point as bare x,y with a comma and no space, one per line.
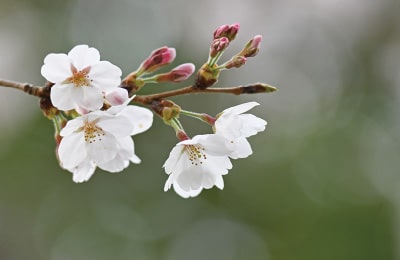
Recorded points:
102,139
236,127
80,78
197,164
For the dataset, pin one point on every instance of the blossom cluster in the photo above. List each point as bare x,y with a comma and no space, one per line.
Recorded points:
94,137
199,163
95,121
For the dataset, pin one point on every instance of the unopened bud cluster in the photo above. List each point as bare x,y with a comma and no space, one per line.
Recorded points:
222,37
158,58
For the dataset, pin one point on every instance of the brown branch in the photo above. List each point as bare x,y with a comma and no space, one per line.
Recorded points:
44,92
248,89
27,88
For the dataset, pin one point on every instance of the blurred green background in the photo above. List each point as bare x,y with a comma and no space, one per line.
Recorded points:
322,182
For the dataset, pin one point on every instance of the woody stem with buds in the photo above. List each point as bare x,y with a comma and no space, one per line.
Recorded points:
238,90
44,92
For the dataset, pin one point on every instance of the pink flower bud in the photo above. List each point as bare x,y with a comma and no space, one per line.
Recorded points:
117,97
252,47
178,74
228,31
235,62
158,58
218,46
182,72
220,31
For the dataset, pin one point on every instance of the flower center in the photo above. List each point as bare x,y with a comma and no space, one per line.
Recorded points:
79,77
196,153
92,133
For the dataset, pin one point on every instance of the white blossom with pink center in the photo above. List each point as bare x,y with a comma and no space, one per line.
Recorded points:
102,139
80,78
197,164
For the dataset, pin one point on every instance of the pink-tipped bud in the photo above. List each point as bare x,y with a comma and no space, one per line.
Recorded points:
117,96
157,59
235,62
218,46
252,47
178,74
182,72
228,31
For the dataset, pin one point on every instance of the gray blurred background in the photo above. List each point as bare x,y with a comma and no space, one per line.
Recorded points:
323,182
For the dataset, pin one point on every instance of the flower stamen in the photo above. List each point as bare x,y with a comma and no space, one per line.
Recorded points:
92,132
196,154
79,78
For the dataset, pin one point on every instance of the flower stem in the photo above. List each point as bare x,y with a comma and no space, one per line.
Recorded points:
180,133
201,116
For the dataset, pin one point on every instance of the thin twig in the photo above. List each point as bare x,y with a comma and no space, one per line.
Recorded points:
26,87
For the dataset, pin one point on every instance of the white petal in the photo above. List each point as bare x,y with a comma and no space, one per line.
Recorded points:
105,75
116,109
251,125
116,125
174,157
72,151
82,56
213,144
169,182
72,126
135,159
93,116
186,194
142,118
219,182
125,153
64,96
242,148
229,126
56,68
191,178
127,149
104,150
217,165
208,180
83,171
115,165
239,109
91,98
